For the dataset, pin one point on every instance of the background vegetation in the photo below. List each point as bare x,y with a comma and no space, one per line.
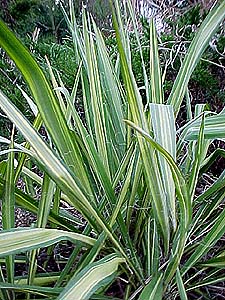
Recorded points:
42,28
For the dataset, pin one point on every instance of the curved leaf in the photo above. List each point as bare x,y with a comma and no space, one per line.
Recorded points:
26,239
91,278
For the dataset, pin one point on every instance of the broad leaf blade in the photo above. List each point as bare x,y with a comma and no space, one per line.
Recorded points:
163,125
113,96
22,240
214,128
91,278
95,101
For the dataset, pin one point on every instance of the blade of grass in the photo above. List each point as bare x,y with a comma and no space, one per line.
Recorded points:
21,159
155,73
30,102
135,185
193,179
55,86
218,153
96,99
216,262
180,285
42,219
137,36
8,210
3,293
155,251
25,201
113,96
211,281
214,128
35,290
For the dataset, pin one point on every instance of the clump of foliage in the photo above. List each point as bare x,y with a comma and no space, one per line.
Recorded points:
123,166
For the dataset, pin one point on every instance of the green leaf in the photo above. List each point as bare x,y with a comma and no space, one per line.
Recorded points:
214,128
193,179
28,203
208,282
114,101
196,48
45,201
95,102
217,186
25,239
30,102
42,219
163,125
155,73
180,285
8,207
216,262
88,146
154,250
154,289
211,159
135,24
36,290
91,278
41,279
22,158
178,178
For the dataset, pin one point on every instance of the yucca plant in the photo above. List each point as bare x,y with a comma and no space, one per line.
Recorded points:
130,175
